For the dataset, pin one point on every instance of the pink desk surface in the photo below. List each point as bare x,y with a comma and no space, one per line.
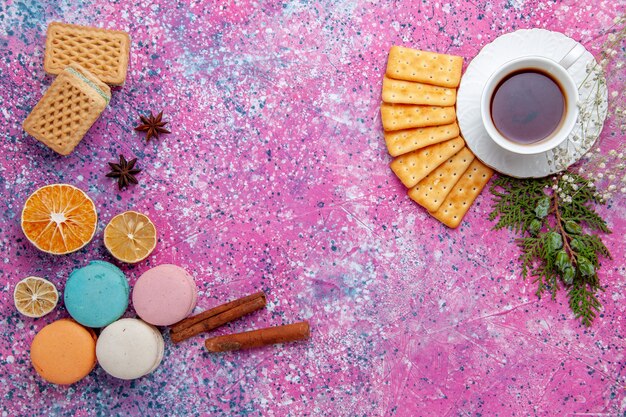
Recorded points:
276,178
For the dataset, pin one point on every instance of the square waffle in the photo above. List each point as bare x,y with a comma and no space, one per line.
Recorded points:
72,103
102,52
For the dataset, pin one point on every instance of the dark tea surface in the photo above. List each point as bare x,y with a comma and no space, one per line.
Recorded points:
527,106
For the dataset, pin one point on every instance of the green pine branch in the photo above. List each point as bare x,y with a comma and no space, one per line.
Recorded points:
515,201
580,212
583,302
554,216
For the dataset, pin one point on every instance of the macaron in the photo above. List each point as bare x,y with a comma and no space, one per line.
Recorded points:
63,352
129,348
97,294
164,295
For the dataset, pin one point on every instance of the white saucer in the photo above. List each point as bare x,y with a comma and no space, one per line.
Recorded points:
593,103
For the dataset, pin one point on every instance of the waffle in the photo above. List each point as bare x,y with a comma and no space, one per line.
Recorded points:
102,52
67,110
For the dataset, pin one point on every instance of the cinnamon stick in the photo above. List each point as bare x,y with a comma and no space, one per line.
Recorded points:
215,317
258,338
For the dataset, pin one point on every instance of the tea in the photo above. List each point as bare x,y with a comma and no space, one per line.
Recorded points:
527,106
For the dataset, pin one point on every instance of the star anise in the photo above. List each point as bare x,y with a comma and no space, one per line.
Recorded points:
125,172
152,125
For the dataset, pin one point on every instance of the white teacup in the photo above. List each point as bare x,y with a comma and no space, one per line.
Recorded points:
557,71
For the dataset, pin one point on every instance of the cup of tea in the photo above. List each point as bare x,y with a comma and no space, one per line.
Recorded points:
530,104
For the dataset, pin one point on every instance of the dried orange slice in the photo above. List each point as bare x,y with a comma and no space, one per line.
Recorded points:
130,237
59,219
35,297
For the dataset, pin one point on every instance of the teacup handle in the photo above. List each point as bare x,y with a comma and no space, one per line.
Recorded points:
572,56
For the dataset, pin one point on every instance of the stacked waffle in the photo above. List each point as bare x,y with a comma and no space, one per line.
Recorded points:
85,60
421,132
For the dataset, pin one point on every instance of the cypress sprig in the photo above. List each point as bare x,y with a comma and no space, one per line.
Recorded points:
556,219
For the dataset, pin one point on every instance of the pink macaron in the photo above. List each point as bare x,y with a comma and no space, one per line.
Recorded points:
164,295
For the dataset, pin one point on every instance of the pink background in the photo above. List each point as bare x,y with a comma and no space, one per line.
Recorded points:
276,178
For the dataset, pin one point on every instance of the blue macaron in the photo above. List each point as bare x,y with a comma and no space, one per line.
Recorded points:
97,294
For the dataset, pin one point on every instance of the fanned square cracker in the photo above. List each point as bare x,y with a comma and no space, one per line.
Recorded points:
102,52
424,67
406,116
456,204
403,141
408,92
433,189
412,167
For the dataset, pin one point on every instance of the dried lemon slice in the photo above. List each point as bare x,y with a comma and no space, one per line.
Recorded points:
35,297
130,237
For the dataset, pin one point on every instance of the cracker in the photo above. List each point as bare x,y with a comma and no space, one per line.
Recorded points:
406,116
403,141
433,189
463,194
100,51
72,103
424,67
412,167
408,92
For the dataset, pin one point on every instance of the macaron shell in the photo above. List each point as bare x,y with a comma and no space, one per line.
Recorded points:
164,295
194,300
63,352
161,348
129,349
97,294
